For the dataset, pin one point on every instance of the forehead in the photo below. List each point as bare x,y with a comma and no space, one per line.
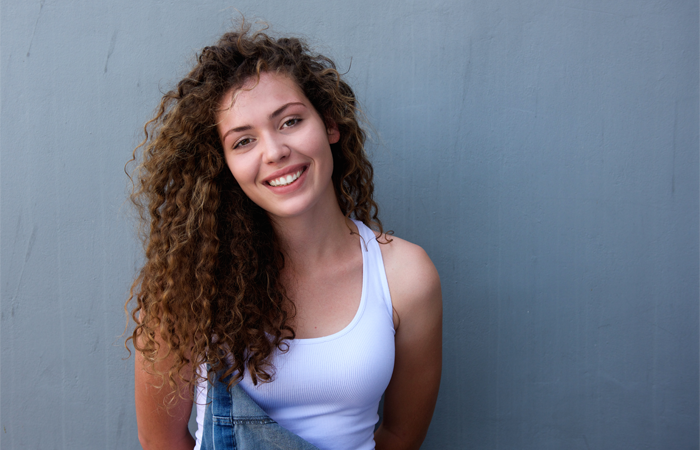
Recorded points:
259,93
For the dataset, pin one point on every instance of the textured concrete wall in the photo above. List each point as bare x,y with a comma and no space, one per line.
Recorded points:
545,153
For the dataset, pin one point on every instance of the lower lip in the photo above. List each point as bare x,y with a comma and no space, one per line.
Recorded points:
294,185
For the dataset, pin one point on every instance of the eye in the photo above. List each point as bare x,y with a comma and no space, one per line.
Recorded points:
291,122
242,143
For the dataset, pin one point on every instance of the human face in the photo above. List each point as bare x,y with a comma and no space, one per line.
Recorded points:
277,146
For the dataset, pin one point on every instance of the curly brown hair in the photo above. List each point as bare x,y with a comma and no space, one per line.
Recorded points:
210,290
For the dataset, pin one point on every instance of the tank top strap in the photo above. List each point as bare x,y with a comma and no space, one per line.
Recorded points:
376,274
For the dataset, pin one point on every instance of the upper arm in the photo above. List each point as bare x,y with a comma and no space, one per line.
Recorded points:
161,426
410,398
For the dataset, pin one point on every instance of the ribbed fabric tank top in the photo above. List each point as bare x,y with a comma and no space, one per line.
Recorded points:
327,389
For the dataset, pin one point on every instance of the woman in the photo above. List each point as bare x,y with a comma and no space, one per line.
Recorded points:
263,281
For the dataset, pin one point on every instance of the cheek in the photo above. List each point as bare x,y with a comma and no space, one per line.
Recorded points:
320,146
242,171
328,157
231,167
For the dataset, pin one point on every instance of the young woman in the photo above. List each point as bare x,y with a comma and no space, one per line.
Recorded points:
269,288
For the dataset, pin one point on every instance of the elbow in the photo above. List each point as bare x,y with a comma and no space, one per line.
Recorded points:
143,440
385,438
165,442
146,441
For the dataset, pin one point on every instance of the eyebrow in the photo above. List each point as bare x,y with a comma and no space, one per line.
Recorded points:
280,110
272,116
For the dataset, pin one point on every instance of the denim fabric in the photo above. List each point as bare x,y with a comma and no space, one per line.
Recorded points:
233,421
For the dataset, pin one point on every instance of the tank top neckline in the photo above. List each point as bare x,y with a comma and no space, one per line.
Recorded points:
360,309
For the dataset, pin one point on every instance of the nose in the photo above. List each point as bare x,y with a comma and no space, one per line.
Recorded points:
276,149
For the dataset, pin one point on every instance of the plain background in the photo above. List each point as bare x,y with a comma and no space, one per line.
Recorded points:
543,152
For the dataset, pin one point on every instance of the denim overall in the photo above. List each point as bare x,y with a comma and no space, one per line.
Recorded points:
233,421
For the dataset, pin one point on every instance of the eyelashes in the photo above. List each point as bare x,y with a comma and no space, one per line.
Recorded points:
242,143
289,123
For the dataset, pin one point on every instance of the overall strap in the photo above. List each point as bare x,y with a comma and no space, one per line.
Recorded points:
235,404
233,421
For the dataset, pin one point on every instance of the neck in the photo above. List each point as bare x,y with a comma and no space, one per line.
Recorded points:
310,239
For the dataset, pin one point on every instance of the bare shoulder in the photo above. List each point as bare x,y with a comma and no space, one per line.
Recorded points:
414,282
410,398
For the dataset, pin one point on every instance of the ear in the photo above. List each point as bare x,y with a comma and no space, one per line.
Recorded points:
333,133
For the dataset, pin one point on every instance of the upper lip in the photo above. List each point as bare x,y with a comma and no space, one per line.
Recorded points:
284,172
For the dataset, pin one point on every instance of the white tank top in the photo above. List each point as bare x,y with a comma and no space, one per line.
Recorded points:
327,389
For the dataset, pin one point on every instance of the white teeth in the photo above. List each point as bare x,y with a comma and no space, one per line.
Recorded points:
283,181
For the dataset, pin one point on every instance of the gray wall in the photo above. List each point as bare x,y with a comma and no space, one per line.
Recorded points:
543,152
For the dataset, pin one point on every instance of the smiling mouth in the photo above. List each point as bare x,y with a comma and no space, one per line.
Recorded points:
287,179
